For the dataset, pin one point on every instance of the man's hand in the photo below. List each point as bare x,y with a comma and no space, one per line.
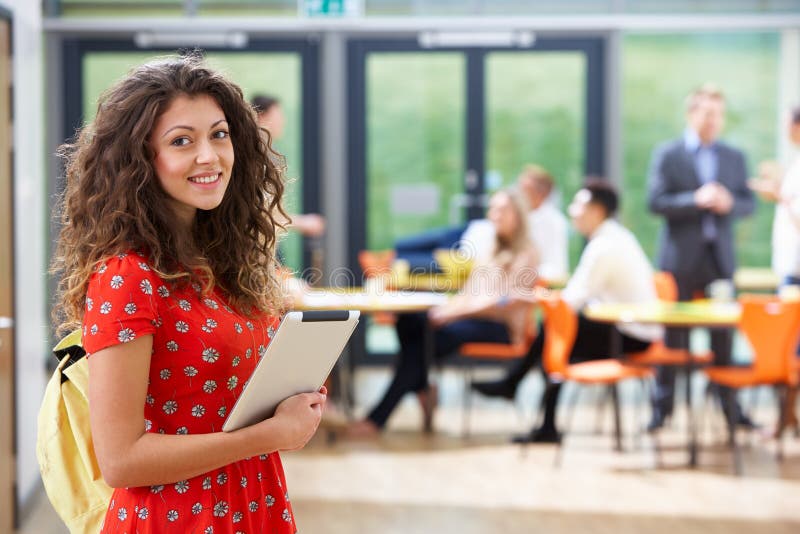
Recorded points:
714,197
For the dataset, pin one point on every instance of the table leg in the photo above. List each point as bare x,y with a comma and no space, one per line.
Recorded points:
690,420
617,419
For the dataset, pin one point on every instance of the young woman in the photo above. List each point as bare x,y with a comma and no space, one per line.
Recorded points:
167,261
481,311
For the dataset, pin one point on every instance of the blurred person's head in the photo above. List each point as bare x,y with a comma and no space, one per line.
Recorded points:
536,184
270,114
172,137
794,125
595,202
705,112
508,214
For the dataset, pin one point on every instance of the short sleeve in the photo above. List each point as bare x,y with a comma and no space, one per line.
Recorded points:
119,303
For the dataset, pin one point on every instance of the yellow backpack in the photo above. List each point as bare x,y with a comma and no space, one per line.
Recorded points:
64,447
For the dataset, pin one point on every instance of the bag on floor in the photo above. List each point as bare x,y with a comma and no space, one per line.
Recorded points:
64,447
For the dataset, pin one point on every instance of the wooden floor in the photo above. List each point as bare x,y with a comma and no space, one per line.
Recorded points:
408,483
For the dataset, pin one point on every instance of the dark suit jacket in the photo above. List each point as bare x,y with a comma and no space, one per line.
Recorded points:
672,182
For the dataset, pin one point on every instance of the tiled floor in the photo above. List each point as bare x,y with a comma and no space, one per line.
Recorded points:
409,483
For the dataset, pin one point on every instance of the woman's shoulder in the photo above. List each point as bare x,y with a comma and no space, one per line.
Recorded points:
120,268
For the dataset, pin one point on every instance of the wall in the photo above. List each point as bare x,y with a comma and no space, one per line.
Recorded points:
31,316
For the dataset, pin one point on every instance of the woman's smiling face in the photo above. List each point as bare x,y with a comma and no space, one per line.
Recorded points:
193,154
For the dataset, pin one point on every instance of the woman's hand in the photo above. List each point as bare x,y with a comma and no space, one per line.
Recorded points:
297,418
440,316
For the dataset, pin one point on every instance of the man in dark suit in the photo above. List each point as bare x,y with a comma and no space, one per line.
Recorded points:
699,185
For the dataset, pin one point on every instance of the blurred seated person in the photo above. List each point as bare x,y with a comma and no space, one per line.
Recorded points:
547,226
418,249
487,309
612,268
272,119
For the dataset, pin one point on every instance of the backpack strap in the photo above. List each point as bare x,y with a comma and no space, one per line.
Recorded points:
69,351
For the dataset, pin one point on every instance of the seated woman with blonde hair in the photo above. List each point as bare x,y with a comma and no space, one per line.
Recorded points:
482,311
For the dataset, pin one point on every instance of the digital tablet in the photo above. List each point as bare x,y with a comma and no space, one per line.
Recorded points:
298,359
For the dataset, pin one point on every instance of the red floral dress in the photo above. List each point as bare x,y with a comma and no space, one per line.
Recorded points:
203,353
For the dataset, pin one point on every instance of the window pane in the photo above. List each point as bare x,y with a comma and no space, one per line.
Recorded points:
415,143
658,72
535,113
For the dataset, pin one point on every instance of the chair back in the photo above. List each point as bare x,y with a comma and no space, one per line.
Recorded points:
376,262
666,287
560,327
772,327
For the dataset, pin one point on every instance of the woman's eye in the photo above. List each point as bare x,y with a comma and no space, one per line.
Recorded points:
220,134
180,141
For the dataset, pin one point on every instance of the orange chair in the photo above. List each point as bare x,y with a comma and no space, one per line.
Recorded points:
771,326
658,353
476,352
561,325
377,264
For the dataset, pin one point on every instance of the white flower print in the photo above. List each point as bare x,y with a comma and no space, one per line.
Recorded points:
182,486
196,287
221,509
143,513
116,282
130,308
122,255
209,386
172,516
165,374
236,361
250,326
182,327
209,530
156,489
198,410
197,508
237,516
182,431
285,496
210,325
157,322
269,500
238,328
211,303
253,506
146,287
172,346
243,482
150,400
190,371
102,268
125,335
271,331
93,329
210,355
259,477
143,266
232,382
285,515
122,514
207,483
223,411
262,457
262,350
222,478
248,352
148,425
162,291
89,304
105,308
185,305
170,407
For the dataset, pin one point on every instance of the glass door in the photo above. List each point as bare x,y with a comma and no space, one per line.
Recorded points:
284,70
434,130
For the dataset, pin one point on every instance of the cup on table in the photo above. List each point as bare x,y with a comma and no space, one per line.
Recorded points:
721,290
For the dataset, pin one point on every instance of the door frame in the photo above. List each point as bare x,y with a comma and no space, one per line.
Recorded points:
358,49
74,49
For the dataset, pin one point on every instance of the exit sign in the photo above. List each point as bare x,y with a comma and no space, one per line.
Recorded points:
330,8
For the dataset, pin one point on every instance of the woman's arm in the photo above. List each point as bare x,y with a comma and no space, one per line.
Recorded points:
128,456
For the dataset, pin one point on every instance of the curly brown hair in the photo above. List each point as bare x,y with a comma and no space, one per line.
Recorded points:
113,202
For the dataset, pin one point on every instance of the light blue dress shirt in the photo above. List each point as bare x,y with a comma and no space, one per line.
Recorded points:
706,164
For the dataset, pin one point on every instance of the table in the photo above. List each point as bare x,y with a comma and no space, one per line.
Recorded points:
697,313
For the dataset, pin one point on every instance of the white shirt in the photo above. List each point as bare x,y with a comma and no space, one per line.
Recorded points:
614,268
786,225
548,229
